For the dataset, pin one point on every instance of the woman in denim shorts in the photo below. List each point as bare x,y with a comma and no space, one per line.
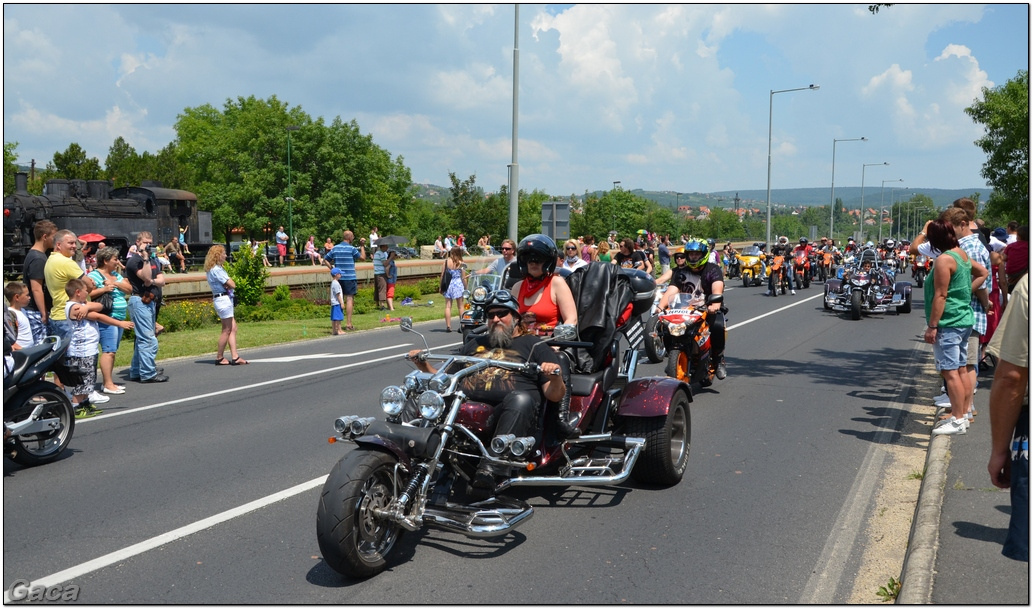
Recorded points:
949,319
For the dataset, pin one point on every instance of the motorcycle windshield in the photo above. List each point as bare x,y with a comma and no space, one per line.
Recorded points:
686,301
750,251
481,286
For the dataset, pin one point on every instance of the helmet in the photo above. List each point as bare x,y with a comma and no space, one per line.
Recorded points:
502,299
711,243
696,246
537,246
891,243
803,240
869,244
783,239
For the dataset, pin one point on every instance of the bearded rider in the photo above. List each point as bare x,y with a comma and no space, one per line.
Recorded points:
694,275
517,399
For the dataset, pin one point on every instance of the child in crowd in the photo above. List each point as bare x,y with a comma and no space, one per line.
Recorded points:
17,294
336,302
392,279
81,358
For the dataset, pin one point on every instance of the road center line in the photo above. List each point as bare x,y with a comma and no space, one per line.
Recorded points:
753,319
160,540
246,387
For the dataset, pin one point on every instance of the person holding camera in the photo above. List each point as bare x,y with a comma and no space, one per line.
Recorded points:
145,276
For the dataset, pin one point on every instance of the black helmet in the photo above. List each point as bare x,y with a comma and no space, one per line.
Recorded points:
803,240
711,243
537,246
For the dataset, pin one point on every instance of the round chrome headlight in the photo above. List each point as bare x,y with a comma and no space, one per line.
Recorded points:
431,405
466,294
392,399
479,294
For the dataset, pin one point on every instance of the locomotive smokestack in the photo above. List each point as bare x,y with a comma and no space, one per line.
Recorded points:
21,183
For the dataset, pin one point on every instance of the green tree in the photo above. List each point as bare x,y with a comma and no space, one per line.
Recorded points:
10,166
73,164
1004,113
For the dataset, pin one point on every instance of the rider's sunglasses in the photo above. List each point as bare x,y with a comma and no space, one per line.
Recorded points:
499,313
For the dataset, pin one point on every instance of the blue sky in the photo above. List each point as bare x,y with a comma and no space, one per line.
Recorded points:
660,97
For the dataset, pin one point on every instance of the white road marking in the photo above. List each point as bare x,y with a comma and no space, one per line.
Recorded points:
297,358
753,319
154,542
251,386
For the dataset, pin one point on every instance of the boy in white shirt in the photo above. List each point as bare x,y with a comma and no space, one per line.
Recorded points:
81,357
17,294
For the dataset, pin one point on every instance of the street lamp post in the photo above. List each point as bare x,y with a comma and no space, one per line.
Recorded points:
832,201
613,217
290,189
882,203
897,224
771,101
861,216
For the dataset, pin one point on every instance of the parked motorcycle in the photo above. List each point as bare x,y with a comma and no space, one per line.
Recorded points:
413,469
686,334
38,416
920,269
749,266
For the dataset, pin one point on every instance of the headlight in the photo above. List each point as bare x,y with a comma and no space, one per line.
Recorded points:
412,382
466,294
343,424
676,329
479,294
392,399
520,446
438,382
431,405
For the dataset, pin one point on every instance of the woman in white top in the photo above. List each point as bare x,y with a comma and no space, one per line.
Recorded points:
572,259
222,291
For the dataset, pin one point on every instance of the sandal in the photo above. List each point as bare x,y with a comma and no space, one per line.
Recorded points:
222,362
239,361
349,328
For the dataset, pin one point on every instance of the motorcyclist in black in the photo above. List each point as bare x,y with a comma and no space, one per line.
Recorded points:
694,275
782,248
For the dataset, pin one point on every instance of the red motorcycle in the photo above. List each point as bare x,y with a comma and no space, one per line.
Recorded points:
920,269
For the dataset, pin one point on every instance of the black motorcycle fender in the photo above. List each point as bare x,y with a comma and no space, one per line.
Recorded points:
403,441
902,287
834,285
650,396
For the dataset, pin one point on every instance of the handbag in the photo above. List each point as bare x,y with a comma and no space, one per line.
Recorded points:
107,303
446,278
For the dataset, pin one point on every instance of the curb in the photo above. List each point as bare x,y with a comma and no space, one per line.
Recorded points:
916,580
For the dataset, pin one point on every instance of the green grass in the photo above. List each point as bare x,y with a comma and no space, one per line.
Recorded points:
204,341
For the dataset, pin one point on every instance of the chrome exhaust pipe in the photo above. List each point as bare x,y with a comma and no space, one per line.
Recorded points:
490,518
633,446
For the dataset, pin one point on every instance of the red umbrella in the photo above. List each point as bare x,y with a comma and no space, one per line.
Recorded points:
92,237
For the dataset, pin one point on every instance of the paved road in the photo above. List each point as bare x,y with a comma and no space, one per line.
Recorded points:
204,490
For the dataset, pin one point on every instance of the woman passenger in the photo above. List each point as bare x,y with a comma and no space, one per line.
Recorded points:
541,291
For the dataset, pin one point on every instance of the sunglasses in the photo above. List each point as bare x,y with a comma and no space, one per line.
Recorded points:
507,249
498,313
571,247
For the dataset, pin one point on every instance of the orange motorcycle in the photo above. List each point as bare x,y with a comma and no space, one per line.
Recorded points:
801,269
779,274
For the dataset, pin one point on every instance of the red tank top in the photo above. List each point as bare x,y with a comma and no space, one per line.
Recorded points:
545,310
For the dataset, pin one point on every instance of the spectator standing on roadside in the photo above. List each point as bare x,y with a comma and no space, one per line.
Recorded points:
38,309
18,297
1016,259
392,279
380,277
336,302
456,269
374,236
572,260
602,254
663,254
222,286
1009,418
344,256
589,249
145,277
84,334
281,244
109,281
59,270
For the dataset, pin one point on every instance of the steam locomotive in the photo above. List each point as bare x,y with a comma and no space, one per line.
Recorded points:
92,206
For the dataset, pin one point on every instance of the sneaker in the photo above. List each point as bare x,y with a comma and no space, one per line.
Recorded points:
768,293
98,398
87,410
942,400
951,427
722,371
792,292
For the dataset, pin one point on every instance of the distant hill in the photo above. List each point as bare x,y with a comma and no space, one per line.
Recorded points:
807,197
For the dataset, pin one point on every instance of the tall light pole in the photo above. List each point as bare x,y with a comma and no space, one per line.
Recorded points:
514,168
613,216
861,217
290,189
832,200
882,203
896,217
771,101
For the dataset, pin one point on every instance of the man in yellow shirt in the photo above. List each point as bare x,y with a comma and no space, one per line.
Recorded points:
59,270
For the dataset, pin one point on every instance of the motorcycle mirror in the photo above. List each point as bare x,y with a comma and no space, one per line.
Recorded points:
406,326
564,332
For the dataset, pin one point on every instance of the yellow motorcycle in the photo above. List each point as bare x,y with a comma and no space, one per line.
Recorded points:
750,266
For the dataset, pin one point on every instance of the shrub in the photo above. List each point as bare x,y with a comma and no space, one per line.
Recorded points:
249,274
428,286
187,315
282,292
